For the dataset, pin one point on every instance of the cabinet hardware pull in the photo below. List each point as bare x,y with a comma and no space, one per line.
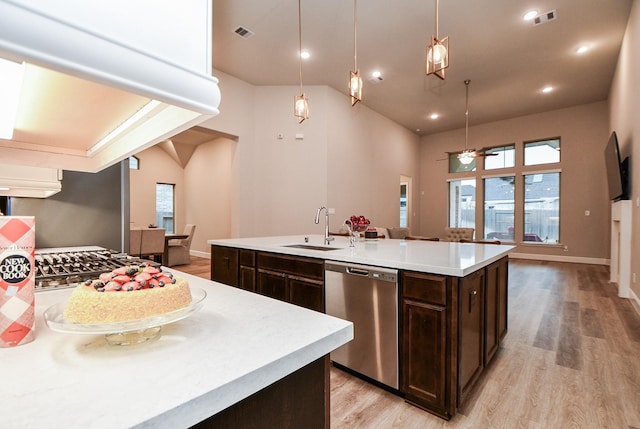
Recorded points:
472,295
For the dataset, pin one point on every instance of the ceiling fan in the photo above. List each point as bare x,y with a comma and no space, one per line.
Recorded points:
468,155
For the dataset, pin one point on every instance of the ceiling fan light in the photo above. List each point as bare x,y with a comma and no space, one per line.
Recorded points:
466,156
355,87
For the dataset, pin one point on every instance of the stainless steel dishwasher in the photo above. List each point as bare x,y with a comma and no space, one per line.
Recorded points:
368,297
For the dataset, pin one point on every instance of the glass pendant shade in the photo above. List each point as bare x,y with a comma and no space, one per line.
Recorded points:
438,56
355,87
301,107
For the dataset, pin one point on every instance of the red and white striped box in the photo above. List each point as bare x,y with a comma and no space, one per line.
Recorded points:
17,280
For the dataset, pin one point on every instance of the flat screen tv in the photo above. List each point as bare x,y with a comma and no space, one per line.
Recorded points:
617,170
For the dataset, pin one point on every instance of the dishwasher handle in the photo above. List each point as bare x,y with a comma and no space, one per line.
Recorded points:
357,271
365,271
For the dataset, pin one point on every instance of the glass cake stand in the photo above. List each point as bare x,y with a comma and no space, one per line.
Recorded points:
123,333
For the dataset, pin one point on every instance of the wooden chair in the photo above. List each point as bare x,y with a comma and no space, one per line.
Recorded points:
179,250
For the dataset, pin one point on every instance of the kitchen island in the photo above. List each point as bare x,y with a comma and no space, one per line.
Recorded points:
238,346
452,311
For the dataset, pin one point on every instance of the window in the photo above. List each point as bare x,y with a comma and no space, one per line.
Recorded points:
134,163
542,207
542,152
455,166
165,207
500,157
462,203
499,206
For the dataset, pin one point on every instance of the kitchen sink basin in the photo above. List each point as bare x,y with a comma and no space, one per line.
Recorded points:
310,247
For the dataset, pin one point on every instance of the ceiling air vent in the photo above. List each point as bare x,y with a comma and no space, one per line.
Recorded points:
543,18
243,32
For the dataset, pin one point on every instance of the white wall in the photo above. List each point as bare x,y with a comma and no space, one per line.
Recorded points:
624,102
350,159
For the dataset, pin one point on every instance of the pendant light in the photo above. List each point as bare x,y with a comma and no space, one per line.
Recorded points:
467,155
300,102
355,81
437,52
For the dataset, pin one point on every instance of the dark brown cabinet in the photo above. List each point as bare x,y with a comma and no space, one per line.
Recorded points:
247,270
425,352
224,265
292,279
470,332
497,275
450,327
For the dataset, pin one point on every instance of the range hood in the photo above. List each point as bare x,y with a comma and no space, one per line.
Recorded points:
89,68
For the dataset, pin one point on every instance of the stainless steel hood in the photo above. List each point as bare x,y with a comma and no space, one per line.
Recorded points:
89,70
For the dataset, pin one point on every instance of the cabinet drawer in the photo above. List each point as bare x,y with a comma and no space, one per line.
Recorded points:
248,258
305,267
425,287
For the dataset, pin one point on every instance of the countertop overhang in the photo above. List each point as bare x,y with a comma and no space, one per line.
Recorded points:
436,257
235,345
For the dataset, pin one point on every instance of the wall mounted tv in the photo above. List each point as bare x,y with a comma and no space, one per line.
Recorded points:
617,170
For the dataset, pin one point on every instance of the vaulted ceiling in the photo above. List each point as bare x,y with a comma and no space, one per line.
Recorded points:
508,60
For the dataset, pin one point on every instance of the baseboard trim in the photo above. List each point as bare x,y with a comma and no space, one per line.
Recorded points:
200,254
635,301
559,258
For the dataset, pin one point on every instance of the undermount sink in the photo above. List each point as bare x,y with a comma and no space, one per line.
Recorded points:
310,247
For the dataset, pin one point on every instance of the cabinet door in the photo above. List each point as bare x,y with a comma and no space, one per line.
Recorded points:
424,368
272,284
471,332
224,265
491,338
247,278
306,293
503,303
495,307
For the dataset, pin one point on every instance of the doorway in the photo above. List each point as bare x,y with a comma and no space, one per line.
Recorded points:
405,201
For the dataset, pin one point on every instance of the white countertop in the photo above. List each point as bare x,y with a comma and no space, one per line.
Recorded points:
236,344
436,257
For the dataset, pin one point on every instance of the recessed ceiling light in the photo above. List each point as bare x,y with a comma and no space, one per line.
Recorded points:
434,116
547,89
376,74
305,55
530,15
582,49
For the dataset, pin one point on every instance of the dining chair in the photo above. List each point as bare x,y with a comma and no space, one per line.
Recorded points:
179,250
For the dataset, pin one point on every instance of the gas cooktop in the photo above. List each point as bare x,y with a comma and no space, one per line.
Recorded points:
66,267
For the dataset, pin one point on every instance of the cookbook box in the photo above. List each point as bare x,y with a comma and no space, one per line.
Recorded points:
17,280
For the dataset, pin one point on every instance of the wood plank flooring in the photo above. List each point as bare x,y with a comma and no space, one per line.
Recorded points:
571,359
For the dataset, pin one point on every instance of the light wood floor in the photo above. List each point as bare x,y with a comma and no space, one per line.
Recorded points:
571,359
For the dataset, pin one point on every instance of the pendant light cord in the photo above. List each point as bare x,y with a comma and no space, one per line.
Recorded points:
355,35
437,13
300,43
466,117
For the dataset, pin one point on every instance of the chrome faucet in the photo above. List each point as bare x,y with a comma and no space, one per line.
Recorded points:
327,239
